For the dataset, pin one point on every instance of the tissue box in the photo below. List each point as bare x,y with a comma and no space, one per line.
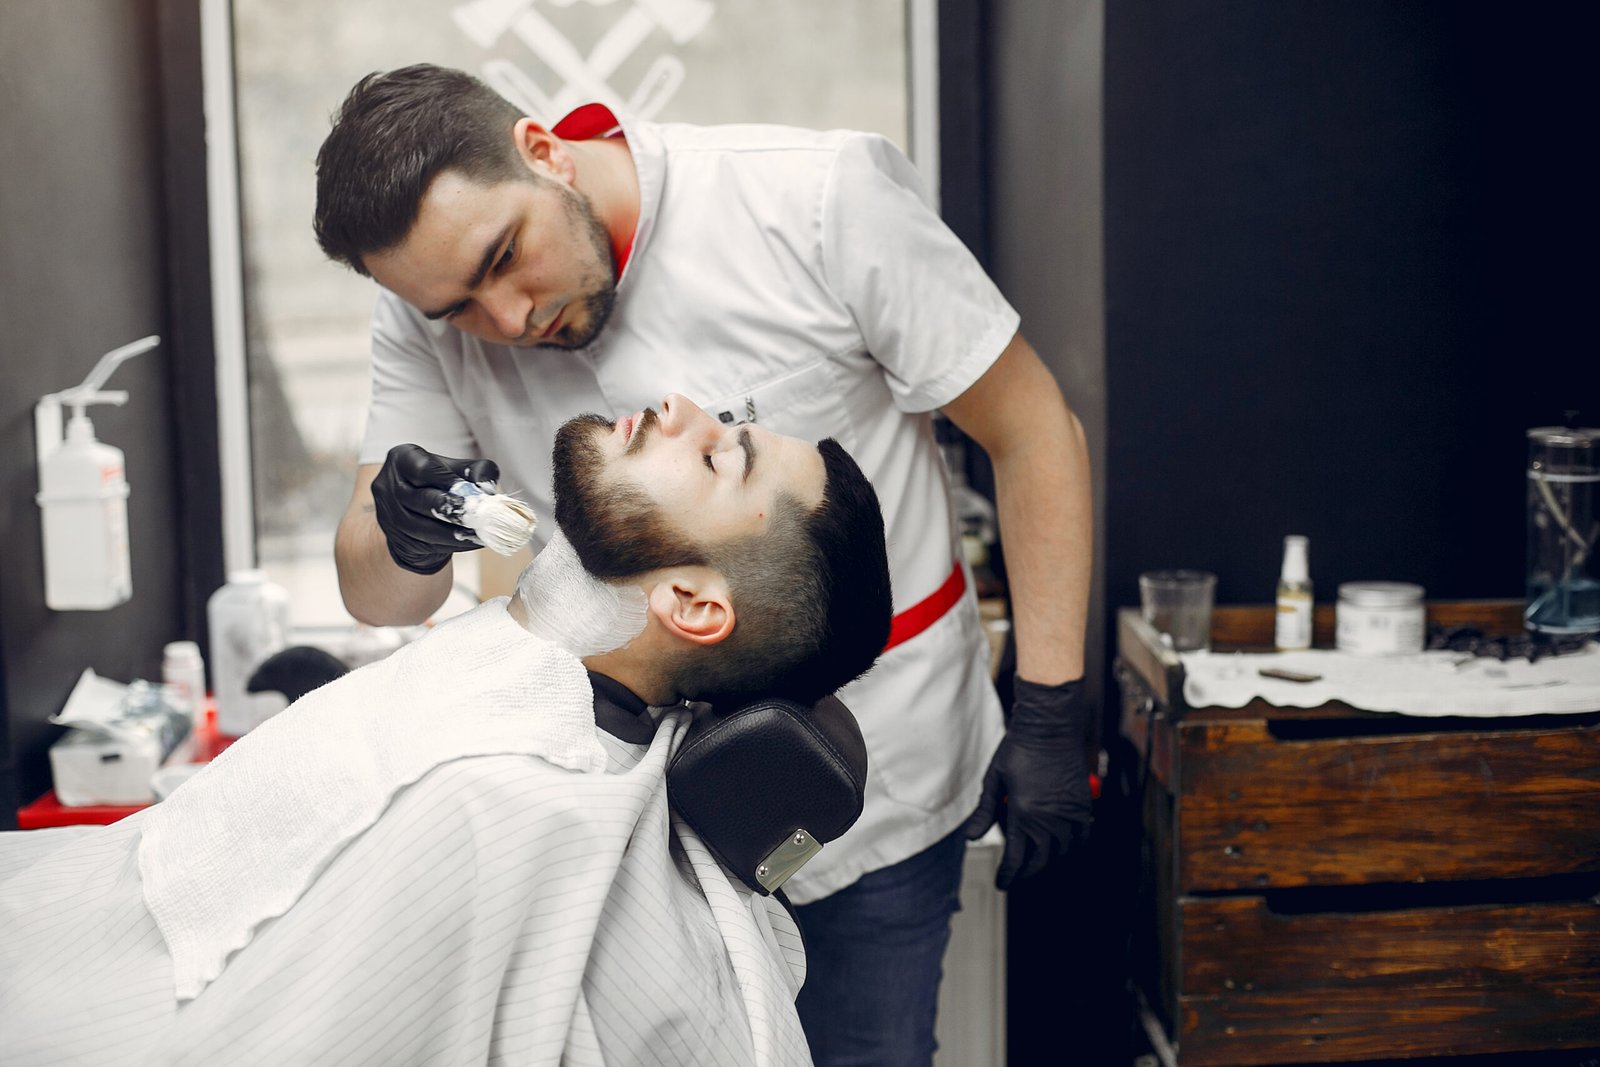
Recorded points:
94,767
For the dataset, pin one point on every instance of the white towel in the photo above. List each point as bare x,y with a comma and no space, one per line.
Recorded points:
241,841
1428,683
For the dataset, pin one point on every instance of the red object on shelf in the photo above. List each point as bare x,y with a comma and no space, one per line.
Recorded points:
49,811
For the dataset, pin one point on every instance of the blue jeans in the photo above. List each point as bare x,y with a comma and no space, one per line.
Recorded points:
873,953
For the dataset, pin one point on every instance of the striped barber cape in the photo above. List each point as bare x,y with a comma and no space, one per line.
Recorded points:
497,909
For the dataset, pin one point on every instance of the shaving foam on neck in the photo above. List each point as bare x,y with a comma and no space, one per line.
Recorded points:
570,607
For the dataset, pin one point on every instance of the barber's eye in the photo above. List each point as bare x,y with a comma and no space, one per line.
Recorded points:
710,466
509,254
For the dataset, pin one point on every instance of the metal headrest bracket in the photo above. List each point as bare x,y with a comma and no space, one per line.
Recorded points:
787,858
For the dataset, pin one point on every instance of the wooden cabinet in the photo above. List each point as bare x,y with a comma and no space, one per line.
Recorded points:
1327,884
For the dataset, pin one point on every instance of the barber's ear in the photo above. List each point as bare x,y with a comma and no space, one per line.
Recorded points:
543,151
693,604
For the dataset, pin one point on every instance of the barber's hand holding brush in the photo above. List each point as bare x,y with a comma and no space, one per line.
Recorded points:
431,506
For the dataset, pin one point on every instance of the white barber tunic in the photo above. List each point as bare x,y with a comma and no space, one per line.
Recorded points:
798,279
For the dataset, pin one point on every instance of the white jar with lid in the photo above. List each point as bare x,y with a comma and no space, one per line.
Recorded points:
1380,618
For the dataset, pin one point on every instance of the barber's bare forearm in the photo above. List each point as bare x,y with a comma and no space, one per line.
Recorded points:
1044,499
1046,520
375,590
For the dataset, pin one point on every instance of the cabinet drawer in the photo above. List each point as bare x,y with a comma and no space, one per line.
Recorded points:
1256,987
1257,809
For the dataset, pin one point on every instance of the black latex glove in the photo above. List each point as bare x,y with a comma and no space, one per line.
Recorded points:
411,492
1038,782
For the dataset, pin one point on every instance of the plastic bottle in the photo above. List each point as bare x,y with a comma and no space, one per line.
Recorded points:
83,492
249,621
1293,630
184,674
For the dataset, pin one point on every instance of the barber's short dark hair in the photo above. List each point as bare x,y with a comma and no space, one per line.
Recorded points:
392,136
811,594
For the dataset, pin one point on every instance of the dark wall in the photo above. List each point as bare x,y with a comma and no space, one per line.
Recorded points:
1045,216
84,267
1344,254
1043,143
1341,282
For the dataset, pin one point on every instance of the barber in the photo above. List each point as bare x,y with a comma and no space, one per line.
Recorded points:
792,278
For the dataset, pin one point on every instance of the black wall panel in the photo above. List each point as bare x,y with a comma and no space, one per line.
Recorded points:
1342,278
1346,253
82,270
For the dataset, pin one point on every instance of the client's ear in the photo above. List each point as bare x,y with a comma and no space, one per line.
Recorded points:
693,603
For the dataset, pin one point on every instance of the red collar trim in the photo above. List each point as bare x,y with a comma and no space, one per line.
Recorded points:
585,124
588,122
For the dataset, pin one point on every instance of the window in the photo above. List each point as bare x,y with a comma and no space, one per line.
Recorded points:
302,321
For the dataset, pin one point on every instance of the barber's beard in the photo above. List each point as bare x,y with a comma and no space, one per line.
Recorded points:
616,531
581,329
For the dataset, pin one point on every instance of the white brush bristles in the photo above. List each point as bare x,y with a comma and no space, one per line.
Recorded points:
502,523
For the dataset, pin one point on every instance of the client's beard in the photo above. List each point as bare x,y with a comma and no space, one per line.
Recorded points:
617,531
572,592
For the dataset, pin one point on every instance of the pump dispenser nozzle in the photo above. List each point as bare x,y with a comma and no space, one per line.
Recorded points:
47,412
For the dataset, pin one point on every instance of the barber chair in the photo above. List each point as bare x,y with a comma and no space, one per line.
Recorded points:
767,785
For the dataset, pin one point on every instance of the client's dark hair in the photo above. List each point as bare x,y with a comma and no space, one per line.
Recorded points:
391,137
811,598
811,593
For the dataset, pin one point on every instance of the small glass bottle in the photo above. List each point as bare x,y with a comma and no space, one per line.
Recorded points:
1293,629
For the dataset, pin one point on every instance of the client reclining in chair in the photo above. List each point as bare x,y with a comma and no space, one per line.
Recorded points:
464,853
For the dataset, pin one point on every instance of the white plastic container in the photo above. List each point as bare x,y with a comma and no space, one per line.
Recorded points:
249,621
83,492
1380,618
184,674
120,736
89,768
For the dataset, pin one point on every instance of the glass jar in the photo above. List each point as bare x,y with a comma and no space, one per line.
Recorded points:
1563,527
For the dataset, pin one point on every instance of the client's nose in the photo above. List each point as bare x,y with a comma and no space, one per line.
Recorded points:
680,415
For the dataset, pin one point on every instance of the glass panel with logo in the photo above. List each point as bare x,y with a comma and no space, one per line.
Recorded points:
821,63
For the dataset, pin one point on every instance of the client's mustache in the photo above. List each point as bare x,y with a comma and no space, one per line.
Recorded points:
647,423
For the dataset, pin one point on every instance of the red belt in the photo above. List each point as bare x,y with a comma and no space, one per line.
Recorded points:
927,611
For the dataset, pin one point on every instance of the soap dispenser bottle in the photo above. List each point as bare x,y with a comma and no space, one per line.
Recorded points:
83,492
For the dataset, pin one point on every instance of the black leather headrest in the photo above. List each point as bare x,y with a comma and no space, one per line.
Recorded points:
766,785
295,671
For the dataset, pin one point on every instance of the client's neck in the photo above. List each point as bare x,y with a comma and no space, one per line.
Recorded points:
627,668
599,622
